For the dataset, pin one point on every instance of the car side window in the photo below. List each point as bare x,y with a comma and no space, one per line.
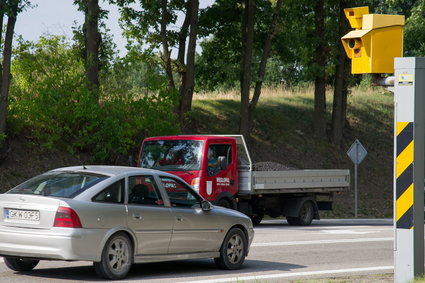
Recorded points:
180,194
143,191
112,194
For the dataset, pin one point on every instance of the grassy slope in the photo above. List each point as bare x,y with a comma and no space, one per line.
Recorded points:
283,133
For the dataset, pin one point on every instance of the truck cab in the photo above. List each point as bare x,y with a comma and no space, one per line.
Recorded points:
208,163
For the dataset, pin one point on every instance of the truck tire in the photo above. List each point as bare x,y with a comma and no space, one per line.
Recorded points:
305,215
256,219
224,203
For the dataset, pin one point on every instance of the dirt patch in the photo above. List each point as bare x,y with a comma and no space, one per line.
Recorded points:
25,159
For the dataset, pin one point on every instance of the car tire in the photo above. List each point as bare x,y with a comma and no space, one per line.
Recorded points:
117,258
20,264
305,217
233,250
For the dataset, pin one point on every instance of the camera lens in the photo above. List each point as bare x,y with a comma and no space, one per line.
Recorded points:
351,43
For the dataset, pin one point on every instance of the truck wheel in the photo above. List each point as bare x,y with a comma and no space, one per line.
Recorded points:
224,203
305,217
233,250
20,264
256,219
117,258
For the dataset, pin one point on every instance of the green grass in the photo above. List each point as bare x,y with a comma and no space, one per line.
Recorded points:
283,130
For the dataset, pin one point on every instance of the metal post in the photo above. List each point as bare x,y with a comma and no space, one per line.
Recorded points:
409,142
357,153
355,190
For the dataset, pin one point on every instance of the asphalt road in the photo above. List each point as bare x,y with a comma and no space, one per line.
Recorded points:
279,253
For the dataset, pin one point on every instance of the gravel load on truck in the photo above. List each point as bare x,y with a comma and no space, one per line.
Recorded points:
270,166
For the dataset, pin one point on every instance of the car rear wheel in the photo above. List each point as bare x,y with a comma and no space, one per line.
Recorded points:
117,258
233,250
20,264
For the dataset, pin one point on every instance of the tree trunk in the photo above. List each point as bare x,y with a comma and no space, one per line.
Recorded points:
93,40
6,76
262,69
341,87
2,8
246,60
189,83
320,82
181,56
166,54
345,91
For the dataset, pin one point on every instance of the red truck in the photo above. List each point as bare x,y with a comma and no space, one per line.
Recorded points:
220,169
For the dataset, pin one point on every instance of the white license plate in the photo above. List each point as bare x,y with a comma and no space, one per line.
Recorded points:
18,214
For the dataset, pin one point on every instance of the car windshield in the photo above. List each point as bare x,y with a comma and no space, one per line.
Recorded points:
172,155
58,184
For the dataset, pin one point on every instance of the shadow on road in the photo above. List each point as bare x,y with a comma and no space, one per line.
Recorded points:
329,222
159,271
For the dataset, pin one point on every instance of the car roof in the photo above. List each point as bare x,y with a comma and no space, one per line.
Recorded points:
107,169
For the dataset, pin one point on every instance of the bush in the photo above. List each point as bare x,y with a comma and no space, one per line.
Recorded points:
49,100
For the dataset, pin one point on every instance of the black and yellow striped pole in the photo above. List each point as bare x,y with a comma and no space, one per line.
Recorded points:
404,175
409,143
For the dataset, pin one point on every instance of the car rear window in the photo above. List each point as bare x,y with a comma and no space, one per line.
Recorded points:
59,184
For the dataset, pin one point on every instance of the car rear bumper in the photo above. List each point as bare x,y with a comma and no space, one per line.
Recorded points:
57,243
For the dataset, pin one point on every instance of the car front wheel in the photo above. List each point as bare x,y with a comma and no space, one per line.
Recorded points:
117,258
233,250
20,264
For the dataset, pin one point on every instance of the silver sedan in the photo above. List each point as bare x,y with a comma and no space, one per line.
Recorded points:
116,216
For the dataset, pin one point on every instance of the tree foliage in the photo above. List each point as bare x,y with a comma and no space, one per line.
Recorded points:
140,93
50,97
10,9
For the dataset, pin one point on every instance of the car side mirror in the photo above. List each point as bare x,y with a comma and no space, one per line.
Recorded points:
206,205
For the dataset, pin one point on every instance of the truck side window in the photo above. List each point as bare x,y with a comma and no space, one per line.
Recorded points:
219,158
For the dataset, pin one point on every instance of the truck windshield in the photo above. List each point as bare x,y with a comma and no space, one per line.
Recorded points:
172,155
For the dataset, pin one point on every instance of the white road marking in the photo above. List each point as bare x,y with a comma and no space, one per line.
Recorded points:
315,242
348,232
1,259
294,274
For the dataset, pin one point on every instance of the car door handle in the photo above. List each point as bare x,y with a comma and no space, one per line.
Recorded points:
137,217
179,218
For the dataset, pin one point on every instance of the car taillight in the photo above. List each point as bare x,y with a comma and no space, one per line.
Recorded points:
67,217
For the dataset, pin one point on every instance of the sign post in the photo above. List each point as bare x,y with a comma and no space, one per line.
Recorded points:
357,153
